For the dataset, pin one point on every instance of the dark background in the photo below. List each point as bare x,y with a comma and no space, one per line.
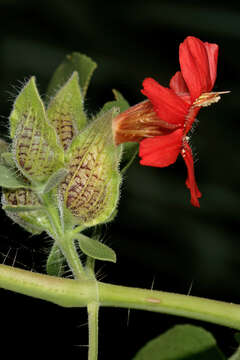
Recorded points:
158,236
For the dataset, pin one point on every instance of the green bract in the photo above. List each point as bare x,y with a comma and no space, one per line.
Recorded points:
66,113
24,207
35,147
90,191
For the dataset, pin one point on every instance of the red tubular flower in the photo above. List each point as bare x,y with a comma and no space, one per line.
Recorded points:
161,124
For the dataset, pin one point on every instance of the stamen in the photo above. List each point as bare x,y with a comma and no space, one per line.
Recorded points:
207,99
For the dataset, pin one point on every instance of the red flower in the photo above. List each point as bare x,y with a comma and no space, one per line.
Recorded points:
162,123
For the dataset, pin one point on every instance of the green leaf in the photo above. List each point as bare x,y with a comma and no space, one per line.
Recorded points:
181,342
65,111
9,179
7,159
122,102
90,191
81,63
55,261
130,150
96,249
4,146
54,180
35,144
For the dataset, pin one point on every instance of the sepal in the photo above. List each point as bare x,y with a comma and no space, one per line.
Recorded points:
81,63
119,102
66,113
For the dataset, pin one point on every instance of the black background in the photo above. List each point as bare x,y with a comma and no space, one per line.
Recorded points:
158,236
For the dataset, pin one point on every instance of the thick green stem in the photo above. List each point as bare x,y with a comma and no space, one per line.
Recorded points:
60,291
217,312
74,293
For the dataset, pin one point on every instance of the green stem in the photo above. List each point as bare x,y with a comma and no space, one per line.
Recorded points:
60,291
72,293
64,240
69,250
53,215
77,229
93,310
89,268
214,311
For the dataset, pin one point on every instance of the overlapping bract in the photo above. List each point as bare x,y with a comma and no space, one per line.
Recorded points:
59,151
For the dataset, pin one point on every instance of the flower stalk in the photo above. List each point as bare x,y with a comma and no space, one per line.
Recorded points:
93,311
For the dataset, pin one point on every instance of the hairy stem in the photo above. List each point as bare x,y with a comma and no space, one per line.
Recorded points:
63,238
93,309
74,293
71,255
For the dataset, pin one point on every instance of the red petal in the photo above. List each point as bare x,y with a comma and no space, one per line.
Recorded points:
195,68
212,51
178,84
191,181
168,106
162,150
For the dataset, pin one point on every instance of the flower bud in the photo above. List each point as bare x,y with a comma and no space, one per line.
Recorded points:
90,191
24,208
35,144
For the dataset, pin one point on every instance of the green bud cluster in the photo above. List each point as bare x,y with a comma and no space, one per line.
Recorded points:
57,150
59,158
